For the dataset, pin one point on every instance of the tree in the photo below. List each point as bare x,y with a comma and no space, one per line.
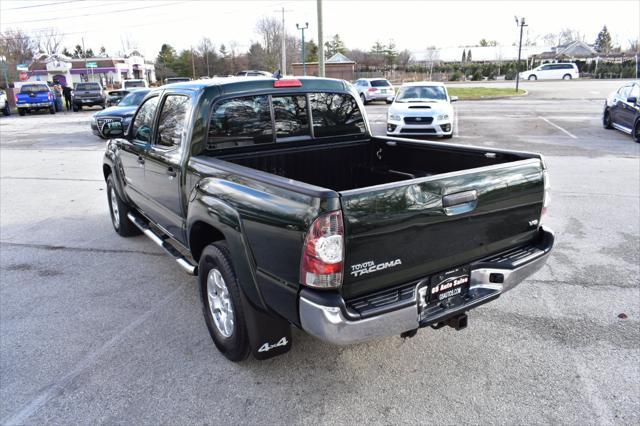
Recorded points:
165,62
50,41
390,53
484,42
66,52
464,56
78,52
208,56
333,46
103,51
271,32
603,41
469,56
378,48
311,51
256,56
18,48
404,58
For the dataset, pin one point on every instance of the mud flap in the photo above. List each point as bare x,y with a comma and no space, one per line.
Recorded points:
269,335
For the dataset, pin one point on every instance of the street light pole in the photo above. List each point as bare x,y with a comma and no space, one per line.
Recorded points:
522,25
283,45
320,41
304,63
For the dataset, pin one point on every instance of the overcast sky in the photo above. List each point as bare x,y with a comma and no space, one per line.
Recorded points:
413,25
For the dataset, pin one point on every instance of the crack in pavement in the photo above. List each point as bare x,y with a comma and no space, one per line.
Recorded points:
80,249
50,178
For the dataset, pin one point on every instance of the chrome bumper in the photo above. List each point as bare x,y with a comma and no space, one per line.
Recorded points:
329,320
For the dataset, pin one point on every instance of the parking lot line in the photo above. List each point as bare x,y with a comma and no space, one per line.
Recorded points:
54,389
559,128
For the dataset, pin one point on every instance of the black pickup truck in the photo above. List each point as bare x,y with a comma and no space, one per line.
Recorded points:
276,195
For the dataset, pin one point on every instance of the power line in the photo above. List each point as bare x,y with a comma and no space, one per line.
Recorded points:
43,5
93,14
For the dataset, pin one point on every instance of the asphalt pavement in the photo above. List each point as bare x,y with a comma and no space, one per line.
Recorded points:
95,328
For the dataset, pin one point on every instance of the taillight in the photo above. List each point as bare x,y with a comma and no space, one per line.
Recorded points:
16,97
50,95
546,198
323,252
372,89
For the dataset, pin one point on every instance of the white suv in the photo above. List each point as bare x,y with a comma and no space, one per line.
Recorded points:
4,103
565,71
374,89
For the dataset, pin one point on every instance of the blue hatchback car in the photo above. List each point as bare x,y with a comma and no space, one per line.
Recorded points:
121,112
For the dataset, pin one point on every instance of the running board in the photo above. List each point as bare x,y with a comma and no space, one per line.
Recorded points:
163,242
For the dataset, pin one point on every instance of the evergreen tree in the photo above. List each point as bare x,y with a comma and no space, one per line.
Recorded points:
464,56
165,62
469,55
603,41
66,52
256,56
311,51
103,51
391,53
333,46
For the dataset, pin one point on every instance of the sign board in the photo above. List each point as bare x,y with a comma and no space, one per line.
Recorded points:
92,65
22,67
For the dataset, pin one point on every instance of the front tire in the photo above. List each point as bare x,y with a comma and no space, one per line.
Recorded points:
533,77
606,120
119,210
566,77
221,303
636,132
6,111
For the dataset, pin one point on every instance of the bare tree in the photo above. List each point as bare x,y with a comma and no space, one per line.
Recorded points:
270,30
50,41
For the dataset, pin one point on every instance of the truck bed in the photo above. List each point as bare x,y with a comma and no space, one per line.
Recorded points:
353,165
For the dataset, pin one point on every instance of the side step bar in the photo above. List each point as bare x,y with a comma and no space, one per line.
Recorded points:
163,242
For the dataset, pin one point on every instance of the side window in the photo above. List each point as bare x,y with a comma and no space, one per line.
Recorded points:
142,125
335,114
624,92
291,116
240,122
635,92
545,67
172,118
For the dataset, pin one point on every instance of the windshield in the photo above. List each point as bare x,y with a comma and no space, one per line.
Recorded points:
421,94
134,98
87,86
34,88
380,83
138,83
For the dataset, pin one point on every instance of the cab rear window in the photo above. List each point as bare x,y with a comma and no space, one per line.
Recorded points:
270,119
34,88
87,86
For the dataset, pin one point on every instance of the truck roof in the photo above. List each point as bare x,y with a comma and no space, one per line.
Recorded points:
242,84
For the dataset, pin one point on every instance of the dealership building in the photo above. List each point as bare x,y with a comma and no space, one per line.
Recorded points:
106,70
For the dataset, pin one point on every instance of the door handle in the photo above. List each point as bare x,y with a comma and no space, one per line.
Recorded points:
460,202
171,173
140,160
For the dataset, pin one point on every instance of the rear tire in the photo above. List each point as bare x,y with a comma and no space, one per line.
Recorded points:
6,111
220,294
636,131
364,99
118,210
606,120
566,77
52,109
22,112
533,77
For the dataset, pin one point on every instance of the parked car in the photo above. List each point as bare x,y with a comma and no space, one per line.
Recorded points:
276,195
122,112
170,80
564,71
253,73
115,96
35,96
421,108
134,83
622,110
88,95
374,89
4,103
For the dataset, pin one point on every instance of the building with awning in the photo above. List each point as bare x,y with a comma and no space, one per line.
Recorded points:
106,70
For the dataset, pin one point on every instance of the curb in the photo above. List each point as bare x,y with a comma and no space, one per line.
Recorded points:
493,98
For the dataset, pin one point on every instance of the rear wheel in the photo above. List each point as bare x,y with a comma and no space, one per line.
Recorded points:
566,77
221,303
119,210
533,77
52,109
363,98
636,132
6,111
606,120
22,112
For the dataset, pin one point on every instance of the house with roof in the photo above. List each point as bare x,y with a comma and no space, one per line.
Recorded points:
337,66
106,70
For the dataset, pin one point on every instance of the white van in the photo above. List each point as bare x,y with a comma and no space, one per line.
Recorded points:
564,71
134,83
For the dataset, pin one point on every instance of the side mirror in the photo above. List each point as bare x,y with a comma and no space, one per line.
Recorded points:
632,100
453,98
112,129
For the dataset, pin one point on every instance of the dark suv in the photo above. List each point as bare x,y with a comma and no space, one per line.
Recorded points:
88,94
622,110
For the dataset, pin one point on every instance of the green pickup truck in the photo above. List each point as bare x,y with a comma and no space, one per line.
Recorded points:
274,193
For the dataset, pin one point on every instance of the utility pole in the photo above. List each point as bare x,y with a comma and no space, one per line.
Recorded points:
283,47
522,25
320,41
84,53
304,63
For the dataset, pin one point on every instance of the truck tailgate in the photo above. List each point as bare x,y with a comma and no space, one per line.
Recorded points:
408,230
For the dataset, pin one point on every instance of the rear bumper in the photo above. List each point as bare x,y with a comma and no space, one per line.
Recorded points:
35,105
326,316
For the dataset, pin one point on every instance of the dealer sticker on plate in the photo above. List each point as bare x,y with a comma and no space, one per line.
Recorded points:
446,285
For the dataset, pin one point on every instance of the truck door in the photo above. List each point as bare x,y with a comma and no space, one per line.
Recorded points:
133,149
163,165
